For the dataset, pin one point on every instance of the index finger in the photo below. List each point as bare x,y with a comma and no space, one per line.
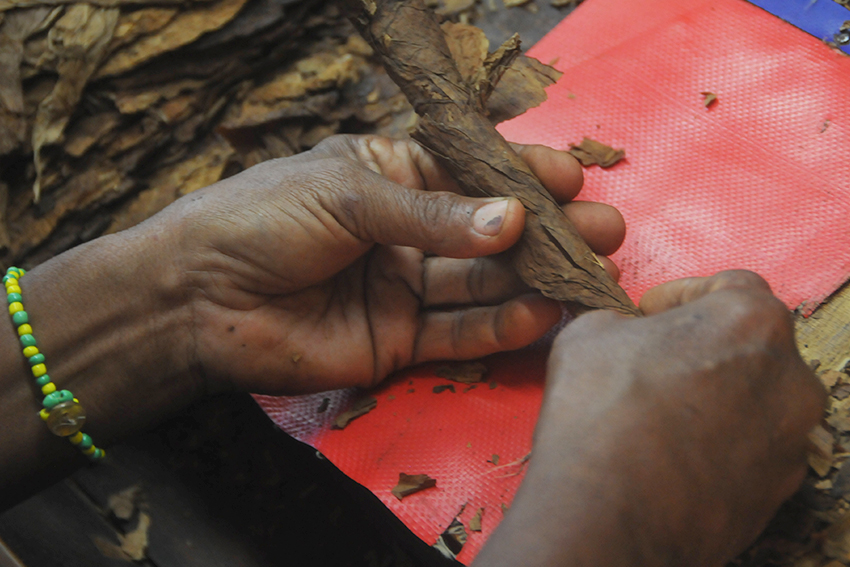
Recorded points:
678,292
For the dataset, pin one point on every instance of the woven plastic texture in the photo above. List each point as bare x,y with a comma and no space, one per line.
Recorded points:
757,180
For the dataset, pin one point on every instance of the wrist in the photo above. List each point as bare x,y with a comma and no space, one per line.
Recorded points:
110,319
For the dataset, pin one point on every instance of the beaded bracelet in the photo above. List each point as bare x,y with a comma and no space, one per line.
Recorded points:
62,411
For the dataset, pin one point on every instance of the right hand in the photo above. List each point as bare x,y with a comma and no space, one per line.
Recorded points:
668,439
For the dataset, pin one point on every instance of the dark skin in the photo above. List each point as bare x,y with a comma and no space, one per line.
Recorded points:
335,268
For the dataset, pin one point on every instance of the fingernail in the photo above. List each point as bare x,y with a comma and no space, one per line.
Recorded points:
488,219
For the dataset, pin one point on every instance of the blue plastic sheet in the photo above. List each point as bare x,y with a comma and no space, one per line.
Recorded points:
821,18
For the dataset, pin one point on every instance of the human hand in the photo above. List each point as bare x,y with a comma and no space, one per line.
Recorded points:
665,440
308,273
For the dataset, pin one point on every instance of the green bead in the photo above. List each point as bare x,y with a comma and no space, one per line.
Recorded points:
20,318
13,297
56,398
27,340
42,380
13,270
8,277
97,455
36,359
85,443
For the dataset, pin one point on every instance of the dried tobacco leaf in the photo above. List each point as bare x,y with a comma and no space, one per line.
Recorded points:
551,256
123,504
820,456
831,377
77,42
521,85
452,540
475,521
360,407
184,28
464,372
708,98
16,27
590,152
411,484
442,388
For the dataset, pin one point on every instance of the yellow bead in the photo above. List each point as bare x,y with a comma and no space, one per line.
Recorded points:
40,370
66,419
76,438
30,351
12,289
11,281
15,307
90,450
44,414
24,329
102,453
48,388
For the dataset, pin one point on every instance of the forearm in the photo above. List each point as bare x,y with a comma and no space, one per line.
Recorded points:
114,327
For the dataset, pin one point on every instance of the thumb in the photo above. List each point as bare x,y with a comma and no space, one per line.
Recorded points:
379,210
678,292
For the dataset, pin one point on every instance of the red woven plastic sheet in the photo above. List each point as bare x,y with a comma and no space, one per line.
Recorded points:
757,180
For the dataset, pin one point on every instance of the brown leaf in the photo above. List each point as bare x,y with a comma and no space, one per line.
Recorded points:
520,87
360,407
9,4
475,522
820,456
830,378
464,372
77,42
590,152
184,28
523,86
123,504
133,545
708,99
443,387
16,27
410,484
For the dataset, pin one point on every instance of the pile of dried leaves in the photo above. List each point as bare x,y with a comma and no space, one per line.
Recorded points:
813,528
110,110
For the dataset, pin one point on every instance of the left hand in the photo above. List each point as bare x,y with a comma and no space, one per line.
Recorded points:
338,266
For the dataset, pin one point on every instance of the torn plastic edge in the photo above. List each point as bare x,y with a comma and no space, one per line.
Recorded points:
824,19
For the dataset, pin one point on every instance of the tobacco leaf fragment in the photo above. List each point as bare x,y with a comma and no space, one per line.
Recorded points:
475,521
590,152
133,545
410,484
708,98
323,407
451,541
186,27
551,256
830,378
360,407
123,504
464,372
517,85
77,42
443,387
821,456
